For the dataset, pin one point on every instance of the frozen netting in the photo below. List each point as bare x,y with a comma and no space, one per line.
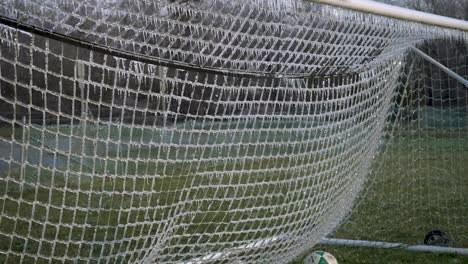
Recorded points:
248,139
418,182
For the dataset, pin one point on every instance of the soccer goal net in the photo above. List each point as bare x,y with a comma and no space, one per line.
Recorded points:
216,131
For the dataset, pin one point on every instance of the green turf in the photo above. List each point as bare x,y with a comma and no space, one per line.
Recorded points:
420,185
69,203
8,132
404,199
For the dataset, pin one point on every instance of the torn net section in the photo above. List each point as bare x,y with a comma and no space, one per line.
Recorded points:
108,159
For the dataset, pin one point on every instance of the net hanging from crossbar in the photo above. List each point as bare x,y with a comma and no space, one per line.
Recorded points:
190,131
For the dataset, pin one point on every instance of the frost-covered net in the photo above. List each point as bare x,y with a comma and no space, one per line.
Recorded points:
190,131
418,182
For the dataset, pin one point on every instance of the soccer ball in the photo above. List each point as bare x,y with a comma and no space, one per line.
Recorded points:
437,238
320,257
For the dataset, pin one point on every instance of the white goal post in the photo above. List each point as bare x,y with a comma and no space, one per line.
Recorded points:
419,17
386,10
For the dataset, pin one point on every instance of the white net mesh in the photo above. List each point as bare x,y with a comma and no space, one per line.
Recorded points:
418,183
248,139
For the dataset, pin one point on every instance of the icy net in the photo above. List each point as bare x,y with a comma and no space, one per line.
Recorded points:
247,140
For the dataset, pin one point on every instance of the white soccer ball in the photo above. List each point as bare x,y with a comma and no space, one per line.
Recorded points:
320,257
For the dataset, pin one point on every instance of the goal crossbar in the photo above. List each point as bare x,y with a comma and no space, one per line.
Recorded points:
397,12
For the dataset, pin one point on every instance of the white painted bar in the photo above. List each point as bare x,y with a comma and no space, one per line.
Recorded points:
442,67
218,255
376,8
385,245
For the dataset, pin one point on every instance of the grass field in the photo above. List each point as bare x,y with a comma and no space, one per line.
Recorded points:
116,199
420,184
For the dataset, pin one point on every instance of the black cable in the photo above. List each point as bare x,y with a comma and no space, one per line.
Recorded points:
133,56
